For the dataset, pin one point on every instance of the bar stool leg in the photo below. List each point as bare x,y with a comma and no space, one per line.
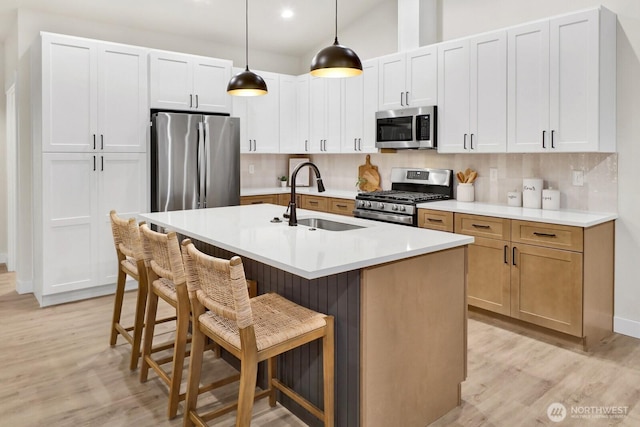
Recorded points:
117,305
138,325
271,374
182,329
152,309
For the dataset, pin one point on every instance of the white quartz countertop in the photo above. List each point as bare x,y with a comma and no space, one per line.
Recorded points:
247,231
560,217
340,194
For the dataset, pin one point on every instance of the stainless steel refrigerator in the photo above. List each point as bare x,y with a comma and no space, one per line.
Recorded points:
195,161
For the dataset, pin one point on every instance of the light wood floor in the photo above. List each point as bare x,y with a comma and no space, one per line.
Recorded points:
57,369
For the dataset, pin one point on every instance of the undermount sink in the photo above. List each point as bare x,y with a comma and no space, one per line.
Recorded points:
327,224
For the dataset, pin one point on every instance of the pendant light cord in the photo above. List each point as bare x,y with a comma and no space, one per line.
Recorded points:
246,33
336,40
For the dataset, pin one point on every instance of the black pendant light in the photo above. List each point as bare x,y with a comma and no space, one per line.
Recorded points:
246,83
336,60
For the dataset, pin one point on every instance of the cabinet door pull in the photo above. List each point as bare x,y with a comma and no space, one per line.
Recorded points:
464,141
249,145
406,98
306,145
94,141
259,202
190,100
535,233
484,227
101,163
434,220
544,133
359,144
401,99
101,141
94,163
355,144
313,202
506,247
513,256
197,103
341,206
552,134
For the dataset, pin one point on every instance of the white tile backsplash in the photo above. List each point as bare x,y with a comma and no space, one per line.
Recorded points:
339,172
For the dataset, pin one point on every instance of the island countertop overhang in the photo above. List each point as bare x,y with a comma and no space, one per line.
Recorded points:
249,232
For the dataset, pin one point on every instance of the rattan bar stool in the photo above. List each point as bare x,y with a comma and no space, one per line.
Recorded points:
253,330
128,243
166,277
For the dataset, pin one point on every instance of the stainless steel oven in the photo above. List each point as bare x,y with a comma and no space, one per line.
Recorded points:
409,187
407,128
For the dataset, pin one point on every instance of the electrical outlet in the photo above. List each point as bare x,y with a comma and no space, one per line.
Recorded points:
493,174
252,169
577,178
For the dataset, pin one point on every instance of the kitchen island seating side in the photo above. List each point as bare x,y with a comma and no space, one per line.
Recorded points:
252,330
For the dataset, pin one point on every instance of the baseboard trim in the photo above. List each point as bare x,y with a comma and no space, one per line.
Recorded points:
81,294
24,286
626,327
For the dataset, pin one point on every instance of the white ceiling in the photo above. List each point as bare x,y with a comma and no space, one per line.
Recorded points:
220,20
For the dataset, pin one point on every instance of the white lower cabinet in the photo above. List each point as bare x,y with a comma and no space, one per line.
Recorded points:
73,248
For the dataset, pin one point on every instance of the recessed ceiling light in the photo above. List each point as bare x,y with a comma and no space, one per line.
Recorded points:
287,13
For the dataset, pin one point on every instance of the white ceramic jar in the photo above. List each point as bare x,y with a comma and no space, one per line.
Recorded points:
514,198
532,193
551,199
465,192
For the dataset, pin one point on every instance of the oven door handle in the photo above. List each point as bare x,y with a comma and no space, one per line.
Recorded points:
386,217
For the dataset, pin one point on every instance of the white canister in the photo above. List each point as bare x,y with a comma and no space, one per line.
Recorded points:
514,198
532,193
465,192
551,199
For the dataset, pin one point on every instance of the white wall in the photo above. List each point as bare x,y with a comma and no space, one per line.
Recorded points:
3,169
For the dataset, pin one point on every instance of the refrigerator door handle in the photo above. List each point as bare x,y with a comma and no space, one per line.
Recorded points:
207,165
200,171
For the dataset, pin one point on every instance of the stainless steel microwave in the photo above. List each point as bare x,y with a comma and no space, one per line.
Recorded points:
407,128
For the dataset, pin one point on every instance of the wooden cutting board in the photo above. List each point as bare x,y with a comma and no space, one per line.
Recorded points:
369,173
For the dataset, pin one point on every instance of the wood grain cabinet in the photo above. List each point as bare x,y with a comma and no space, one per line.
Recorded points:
256,200
314,203
555,276
342,206
435,220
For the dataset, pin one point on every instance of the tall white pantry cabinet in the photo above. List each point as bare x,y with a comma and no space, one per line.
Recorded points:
90,120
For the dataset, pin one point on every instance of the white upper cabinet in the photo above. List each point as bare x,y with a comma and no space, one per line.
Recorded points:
408,79
303,106
260,117
359,106
123,109
94,96
562,84
289,142
325,113
472,95
189,82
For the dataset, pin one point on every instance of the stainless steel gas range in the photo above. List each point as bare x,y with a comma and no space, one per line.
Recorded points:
409,186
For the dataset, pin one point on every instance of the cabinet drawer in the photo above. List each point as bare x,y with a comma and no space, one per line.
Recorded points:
435,220
314,203
483,226
255,200
549,235
342,206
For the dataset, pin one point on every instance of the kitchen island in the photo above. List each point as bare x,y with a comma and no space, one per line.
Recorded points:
398,295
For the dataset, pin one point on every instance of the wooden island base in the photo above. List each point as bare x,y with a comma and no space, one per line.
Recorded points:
400,338
413,339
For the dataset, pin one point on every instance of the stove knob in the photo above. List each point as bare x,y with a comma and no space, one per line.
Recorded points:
394,207
360,203
381,205
367,204
402,209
